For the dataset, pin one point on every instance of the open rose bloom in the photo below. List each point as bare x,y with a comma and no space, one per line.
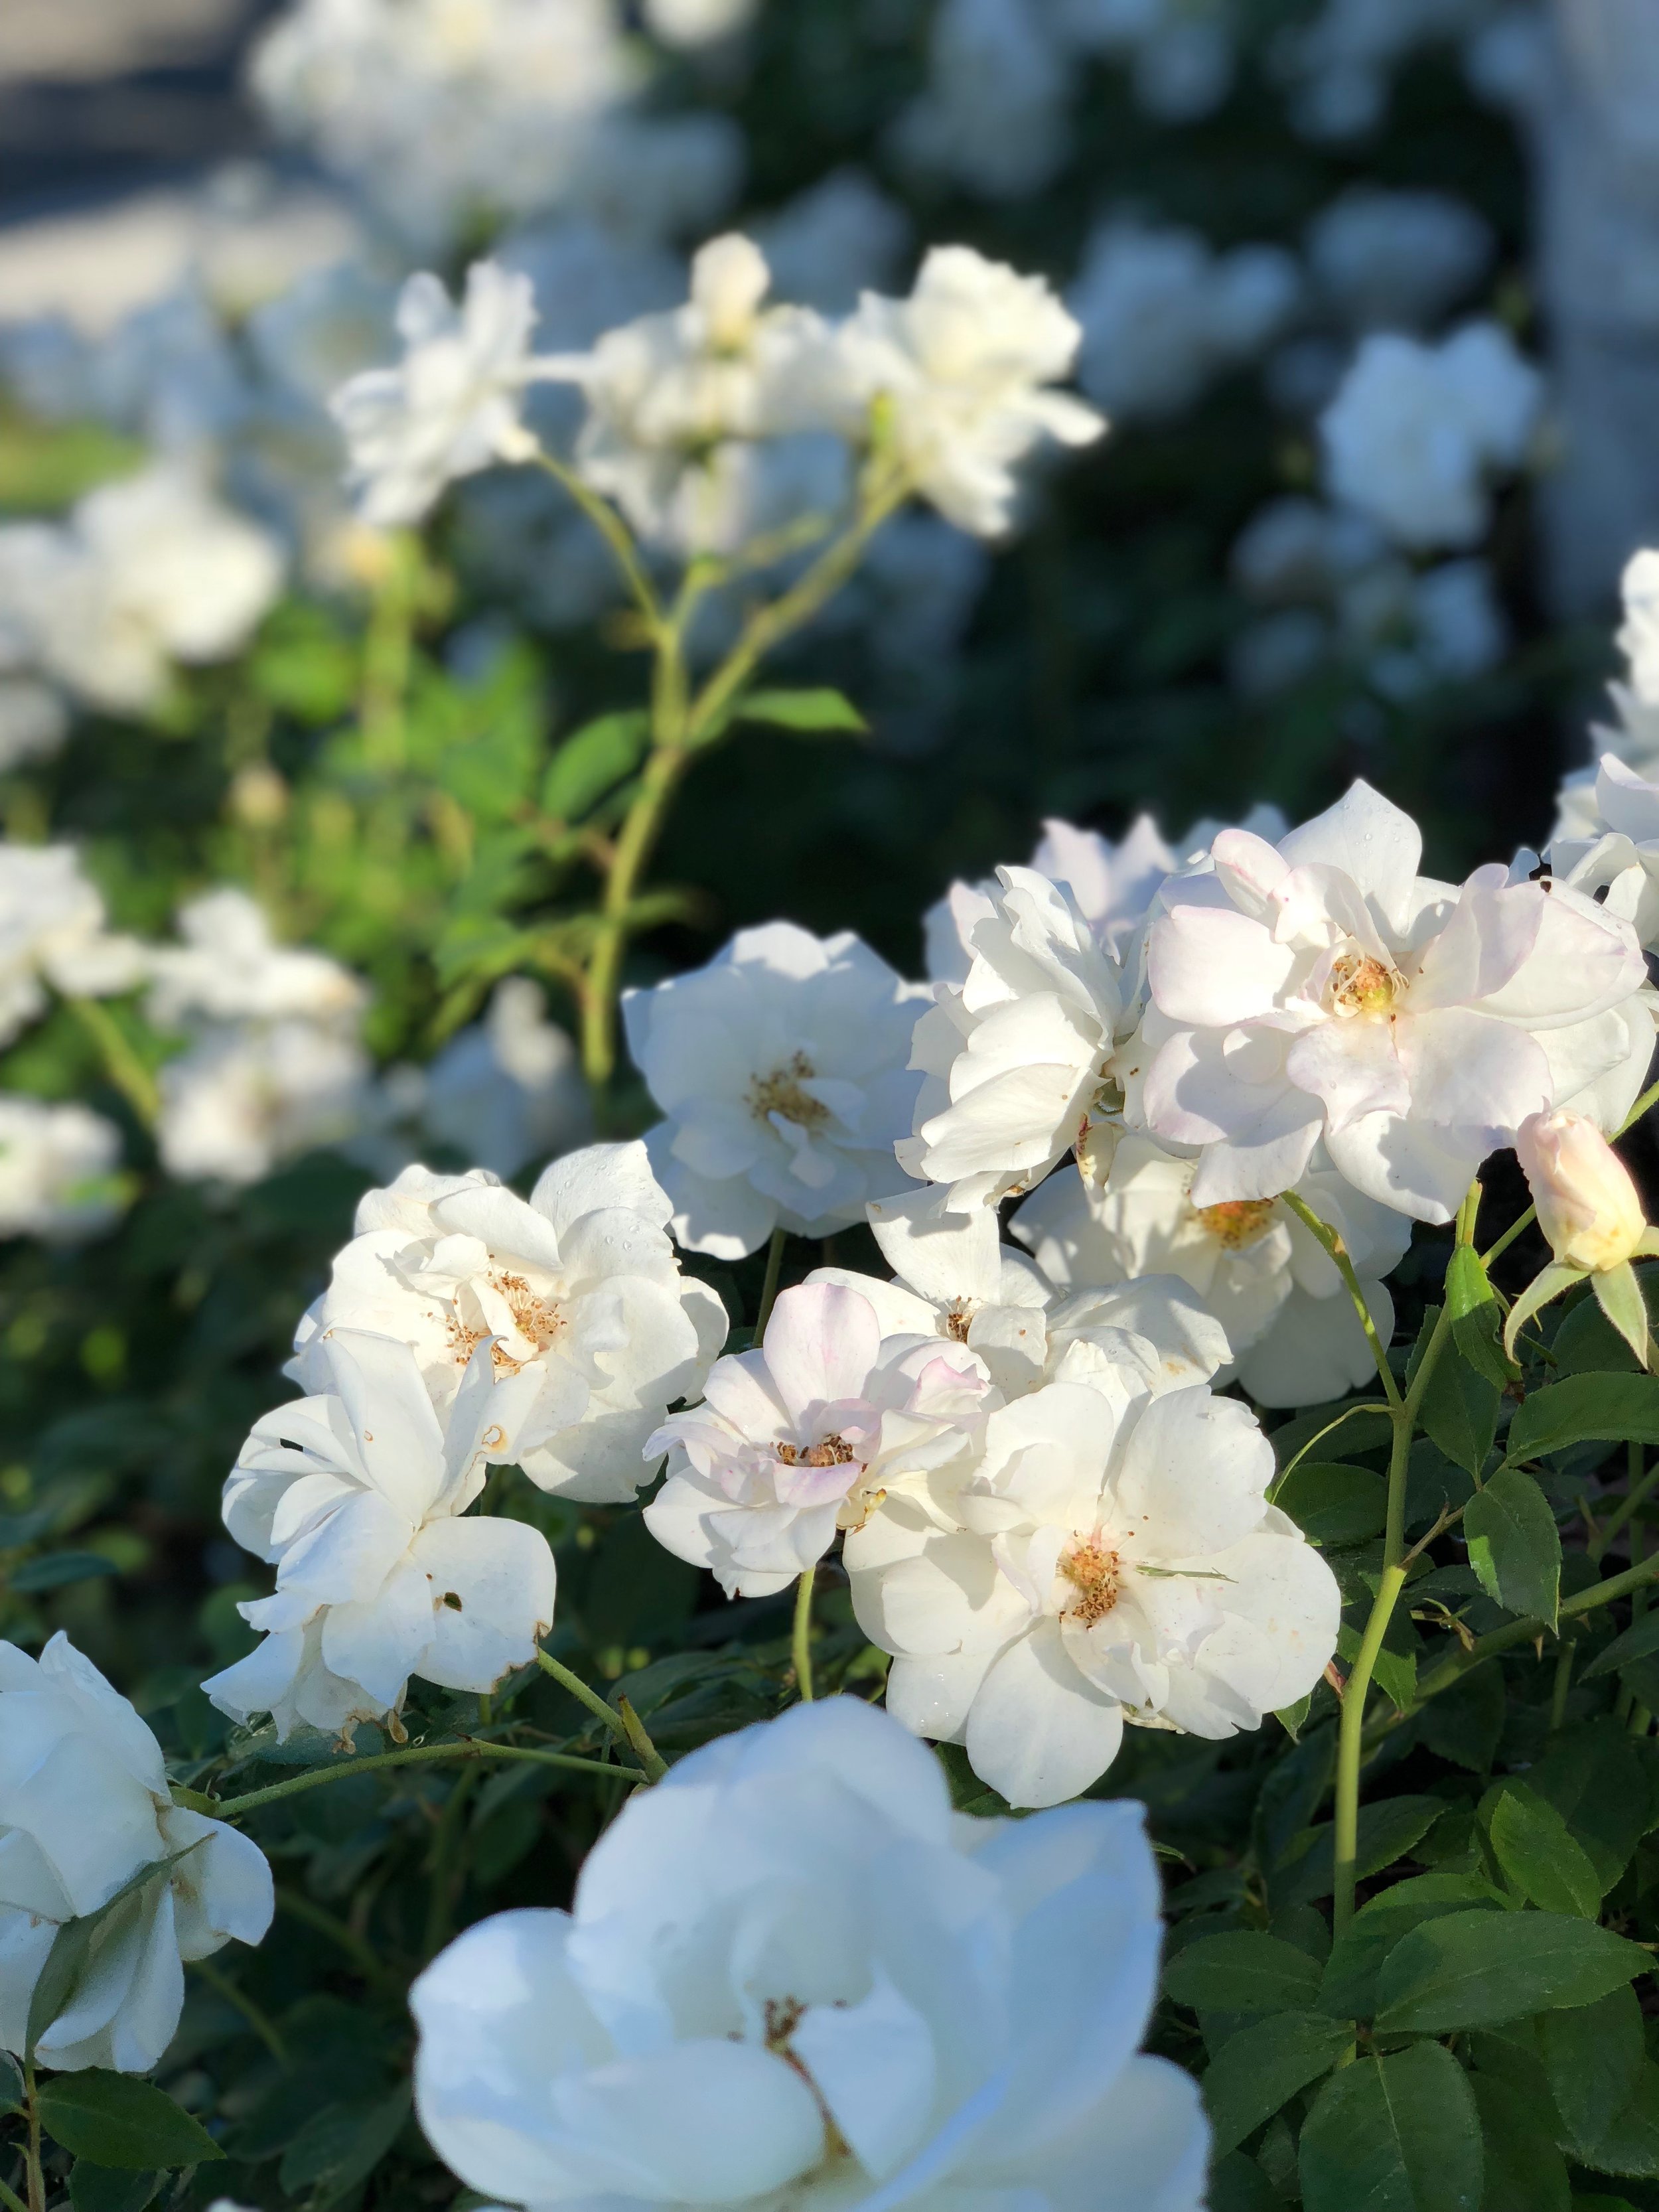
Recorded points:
1321,988
792,1980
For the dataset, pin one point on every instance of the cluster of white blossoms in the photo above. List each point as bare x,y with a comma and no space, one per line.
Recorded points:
1418,432
792,1976
727,418
148,571
446,116
87,1822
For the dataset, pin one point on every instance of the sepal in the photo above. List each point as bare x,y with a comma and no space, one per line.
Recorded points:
1619,1297
1550,1284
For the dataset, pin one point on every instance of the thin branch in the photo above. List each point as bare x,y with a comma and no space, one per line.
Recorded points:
1332,1243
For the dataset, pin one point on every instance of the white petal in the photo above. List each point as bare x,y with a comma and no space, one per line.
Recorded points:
1037,1731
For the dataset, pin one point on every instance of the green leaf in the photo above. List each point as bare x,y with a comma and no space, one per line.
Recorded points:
1465,1723
1586,1342
1238,2184
1478,1969
592,760
340,2145
1524,2171
11,2085
77,1941
1514,1545
1460,1413
116,2119
1388,1829
1598,1781
817,709
1593,2055
1586,1409
1540,1853
1394,1671
56,1570
1639,1641
1332,1503
1263,2066
1629,2144
1242,1972
1348,1988
1477,1318
1394,2135
110,2188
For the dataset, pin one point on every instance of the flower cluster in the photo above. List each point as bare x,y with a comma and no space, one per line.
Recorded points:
725,420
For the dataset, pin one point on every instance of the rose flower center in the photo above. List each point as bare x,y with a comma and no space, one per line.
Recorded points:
780,1093
1092,1569
1237,1222
1360,985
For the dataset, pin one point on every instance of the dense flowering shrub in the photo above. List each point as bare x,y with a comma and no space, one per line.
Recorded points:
963,1520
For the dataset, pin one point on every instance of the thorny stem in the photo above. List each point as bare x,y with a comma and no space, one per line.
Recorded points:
801,1641
415,1754
769,1297
121,1063
1332,1243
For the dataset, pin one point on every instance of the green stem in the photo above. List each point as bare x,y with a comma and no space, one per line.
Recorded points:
361,1953
415,1754
1333,1244
388,655
1451,1671
37,2174
1351,1742
260,2020
801,1641
121,1063
1521,1221
1352,1731
1649,1098
769,1297
1563,1683
644,1750
627,1728
441,1880
1641,1489
615,532
11,2200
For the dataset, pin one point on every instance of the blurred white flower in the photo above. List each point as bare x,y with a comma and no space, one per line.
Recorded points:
791,1975
966,367
1416,432
992,115
1636,738
357,1496
34,719
149,570
230,969
509,1089
448,113
244,1097
1397,260
1324,987
685,408
1163,315
577,1289
54,933
1418,630
57,1171
1610,844
1108,1558
780,1070
807,1434
1296,549
451,406
1294,1338
1016,1060
85,1809
697,22
1339,66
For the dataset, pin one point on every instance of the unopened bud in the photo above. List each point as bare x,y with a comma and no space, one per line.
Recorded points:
1588,1207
